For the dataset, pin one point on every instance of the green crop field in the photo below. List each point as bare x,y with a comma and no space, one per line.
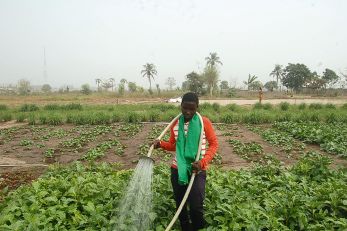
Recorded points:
277,168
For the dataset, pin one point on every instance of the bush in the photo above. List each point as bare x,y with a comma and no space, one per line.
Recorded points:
284,106
233,107
51,107
330,106
332,118
257,106
5,117
72,106
20,117
133,117
302,106
267,106
116,117
32,119
98,118
154,116
216,107
3,107
315,106
344,106
230,118
54,120
28,107
85,89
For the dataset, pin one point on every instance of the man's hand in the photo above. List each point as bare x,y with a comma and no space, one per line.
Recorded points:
196,166
156,144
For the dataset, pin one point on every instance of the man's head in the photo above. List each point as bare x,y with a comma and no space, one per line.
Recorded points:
189,105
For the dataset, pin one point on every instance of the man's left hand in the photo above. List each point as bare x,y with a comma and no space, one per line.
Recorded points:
196,166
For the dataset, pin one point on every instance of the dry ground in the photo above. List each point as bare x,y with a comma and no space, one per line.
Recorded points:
27,162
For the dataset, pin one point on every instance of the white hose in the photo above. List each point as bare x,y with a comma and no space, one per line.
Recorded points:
193,175
191,179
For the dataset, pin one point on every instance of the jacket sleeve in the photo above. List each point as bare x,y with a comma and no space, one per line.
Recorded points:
171,144
212,142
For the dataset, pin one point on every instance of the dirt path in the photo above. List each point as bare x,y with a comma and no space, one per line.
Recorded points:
10,124
275,101
229,159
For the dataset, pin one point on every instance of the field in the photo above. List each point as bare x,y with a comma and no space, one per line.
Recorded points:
278,167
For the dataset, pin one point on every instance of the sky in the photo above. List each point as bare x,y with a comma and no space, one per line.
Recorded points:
85,40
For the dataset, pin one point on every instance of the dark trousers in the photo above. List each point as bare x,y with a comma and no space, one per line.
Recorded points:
195,200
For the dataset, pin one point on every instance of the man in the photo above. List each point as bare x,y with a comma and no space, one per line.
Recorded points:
184,139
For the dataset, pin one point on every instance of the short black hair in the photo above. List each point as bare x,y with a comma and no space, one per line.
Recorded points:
191,97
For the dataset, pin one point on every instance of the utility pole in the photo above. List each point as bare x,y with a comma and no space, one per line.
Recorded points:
45,75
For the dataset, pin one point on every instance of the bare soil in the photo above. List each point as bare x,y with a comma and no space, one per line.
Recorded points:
22,148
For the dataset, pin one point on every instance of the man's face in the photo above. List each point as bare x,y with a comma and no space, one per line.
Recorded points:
188,110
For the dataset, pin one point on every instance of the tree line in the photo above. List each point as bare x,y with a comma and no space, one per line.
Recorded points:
293,77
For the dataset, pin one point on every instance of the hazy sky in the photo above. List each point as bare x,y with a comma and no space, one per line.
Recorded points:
85,40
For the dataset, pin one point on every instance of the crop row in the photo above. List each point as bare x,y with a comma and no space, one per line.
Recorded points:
332,138
259,113
307,196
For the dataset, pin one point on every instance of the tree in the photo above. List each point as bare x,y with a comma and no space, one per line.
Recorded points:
171,82
213,59
98,82
106,84
46,88
121,87
185,85
271,85
23,87
195,83
85,89
224,85
255,85
158,89
211,78
277,73
132,87
250,80
149,71
330,77
315,82
295,76
112,81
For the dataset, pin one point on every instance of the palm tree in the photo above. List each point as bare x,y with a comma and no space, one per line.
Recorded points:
251,79
149,71
277,72
213,59
98,81
211,78
112,80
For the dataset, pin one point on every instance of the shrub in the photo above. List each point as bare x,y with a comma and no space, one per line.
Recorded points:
51,107
216,107
330,106
229,118
233,107
302,106
20,117
28,107
257,106
284,106
3,107
72,106
267,106
5,117
315,106
154,116
133,117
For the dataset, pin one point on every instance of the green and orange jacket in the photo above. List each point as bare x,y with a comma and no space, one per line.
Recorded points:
209,135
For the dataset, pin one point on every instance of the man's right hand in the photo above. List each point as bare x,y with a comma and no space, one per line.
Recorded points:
156,144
